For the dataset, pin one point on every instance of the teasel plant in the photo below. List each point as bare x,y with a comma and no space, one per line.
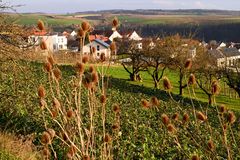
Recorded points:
76,116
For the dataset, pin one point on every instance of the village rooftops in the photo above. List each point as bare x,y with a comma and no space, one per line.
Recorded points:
230,52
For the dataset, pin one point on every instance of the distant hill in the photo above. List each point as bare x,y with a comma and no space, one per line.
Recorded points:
166,12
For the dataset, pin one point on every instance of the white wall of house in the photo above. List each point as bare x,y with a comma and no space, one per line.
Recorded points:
115,34
54,42
62,42
228,61
99,50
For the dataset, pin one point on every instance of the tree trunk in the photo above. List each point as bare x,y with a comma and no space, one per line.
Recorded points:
210,99
181,83
155,84
133,77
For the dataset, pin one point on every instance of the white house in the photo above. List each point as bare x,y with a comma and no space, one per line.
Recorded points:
115,34
228,57
134,36
54,42
73,33
100,46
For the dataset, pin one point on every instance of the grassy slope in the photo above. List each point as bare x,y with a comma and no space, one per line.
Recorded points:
119,72
31,19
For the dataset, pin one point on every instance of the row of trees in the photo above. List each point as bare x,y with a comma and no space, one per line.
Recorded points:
185,56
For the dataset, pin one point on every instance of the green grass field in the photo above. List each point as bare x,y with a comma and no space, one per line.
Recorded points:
119,72
68,19
31,19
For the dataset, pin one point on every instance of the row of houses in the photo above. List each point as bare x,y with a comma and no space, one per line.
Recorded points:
225,54
100,40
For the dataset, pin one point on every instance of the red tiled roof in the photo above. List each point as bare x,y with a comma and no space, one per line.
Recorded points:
101,37
39,33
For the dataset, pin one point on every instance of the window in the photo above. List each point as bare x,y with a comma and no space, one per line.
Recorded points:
229,63
98,54
60,46
98,48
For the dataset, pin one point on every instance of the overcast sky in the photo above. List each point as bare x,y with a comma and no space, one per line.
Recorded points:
64,6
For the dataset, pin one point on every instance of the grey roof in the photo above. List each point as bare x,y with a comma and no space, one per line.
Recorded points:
102,43
215,53
231,52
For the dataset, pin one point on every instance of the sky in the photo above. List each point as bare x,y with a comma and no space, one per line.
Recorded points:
70,6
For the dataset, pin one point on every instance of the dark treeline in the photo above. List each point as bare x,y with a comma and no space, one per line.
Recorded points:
219,32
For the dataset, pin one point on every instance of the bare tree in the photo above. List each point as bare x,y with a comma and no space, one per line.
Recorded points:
134,62
232,77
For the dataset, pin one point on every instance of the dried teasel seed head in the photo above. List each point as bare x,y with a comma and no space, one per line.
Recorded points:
51,132
107,138
185,118
166,83
115,22
155,101
231,117
195,157
222,108
103,99
47,67
81,33
192,79
102,57
165,119
91,69
113,47
46,138
56,103
41,91
175,116
85,59
94,77
80,67
116,108
145,103
51,60
201,116
115,126
70,113
210,144
54,113
215,88
188,64
85,26
171,128
46,152
86,157
40,25
57,73
43,45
